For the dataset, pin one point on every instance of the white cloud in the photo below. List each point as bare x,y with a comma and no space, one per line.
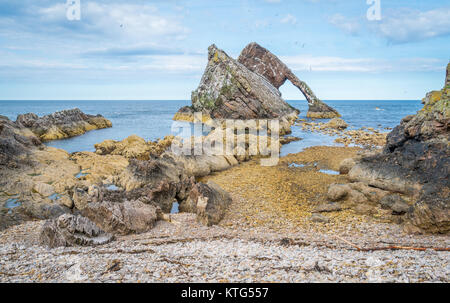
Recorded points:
413,25
289,19
127,21
348,25
365,65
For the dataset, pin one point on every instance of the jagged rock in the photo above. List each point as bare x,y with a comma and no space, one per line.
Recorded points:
229,90
122,218
416,163
70,230
63,124
263,62
161,181
209,201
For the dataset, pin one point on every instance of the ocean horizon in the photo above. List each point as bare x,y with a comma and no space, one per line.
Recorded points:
152,119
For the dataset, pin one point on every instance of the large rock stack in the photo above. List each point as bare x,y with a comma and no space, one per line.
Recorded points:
229,90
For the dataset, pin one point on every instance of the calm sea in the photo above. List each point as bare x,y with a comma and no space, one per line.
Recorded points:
153,119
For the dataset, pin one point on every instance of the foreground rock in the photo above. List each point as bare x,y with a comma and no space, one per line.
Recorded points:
122,218
209,201
62,125
70,230
263,62
416,164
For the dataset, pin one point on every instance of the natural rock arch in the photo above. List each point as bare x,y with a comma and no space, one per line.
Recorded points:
261,61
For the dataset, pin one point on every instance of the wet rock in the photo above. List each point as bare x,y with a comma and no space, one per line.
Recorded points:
122,218
327,207
70,230
209,201
263,62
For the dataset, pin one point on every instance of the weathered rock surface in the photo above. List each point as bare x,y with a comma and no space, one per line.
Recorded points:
209,201
63,124
416,164
15,144
70,230
229,90
134,147
263,62
122,218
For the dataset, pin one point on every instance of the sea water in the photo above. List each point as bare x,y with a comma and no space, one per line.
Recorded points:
152,120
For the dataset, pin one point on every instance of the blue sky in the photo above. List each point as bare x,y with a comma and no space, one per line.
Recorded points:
156,49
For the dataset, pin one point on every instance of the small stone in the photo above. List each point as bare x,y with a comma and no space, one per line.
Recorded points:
318,218
327,207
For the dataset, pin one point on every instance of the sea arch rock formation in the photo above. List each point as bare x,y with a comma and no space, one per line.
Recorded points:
261,61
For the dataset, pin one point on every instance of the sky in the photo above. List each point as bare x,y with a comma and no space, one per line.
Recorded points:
157,49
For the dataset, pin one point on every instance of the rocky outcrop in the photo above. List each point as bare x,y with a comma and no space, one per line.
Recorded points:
134,147
15,143
229,90
122,218
263,62
62,125
70,230
209,201
416,164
